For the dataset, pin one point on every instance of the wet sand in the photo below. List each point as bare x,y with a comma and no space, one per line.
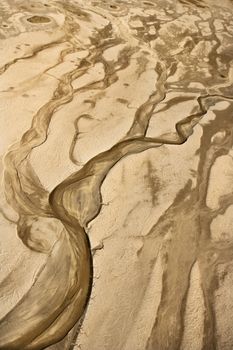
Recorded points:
116,196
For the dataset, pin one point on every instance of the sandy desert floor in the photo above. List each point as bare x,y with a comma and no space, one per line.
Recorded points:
116,196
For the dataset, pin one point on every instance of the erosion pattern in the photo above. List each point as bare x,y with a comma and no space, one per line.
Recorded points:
116,161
